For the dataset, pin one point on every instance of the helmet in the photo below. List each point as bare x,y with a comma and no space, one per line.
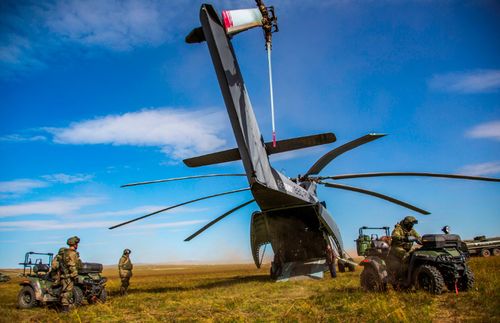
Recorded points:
126,251
410,219
408,222
73,241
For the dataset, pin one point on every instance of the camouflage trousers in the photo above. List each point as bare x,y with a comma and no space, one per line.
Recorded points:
125,280
67,291
398,261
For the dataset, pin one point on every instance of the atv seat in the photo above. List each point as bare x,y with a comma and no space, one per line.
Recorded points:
41,268
380,245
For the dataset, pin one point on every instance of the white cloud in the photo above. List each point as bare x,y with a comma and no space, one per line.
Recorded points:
482,169
20,138
63,206
52,225
34,32
477,81
68,179
486,130
20,186
119,25
179,133
145,209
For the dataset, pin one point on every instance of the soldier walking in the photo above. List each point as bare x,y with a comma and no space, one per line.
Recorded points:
68,269
125,267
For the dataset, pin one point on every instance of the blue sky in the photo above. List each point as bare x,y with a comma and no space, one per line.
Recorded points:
95,94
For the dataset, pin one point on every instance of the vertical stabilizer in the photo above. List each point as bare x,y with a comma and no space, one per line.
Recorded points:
250,142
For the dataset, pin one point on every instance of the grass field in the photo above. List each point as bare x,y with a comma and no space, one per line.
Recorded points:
243,293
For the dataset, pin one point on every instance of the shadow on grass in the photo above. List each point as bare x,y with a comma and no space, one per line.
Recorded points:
215,284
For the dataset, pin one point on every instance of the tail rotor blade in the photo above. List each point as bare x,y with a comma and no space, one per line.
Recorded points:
208,225
379,195
331,155
456,176
179,179
181,204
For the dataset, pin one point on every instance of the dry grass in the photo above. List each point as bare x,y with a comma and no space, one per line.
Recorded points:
243,293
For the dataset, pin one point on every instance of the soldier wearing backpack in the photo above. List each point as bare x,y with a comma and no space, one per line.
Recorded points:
125,267
68,270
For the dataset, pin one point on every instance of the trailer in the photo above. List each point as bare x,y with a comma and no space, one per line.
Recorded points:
484,247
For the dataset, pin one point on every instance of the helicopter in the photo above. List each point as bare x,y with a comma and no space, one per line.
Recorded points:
291,216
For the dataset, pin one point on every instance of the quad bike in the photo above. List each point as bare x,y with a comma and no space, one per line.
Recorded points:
440,263
39,286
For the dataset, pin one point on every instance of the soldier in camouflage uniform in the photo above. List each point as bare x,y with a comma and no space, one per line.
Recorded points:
402,237
68,269
330,261
55,267
125,267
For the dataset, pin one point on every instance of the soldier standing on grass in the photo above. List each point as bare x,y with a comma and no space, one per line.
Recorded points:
125,269
68,269
330,260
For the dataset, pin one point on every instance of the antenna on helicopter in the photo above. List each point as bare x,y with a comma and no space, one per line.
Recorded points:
269,25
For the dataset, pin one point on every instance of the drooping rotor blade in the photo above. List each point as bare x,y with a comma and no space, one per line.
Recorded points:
181,204
208,225
180,179
457,176
331,155
382,196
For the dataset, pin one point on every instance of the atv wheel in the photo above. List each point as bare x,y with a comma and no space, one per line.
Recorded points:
350,265
430,279
341,267
370,280
77,297
26,298
496,252
485,253
103,296
466,282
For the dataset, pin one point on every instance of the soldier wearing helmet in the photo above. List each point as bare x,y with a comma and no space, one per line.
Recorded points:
68,269
125,267
403,237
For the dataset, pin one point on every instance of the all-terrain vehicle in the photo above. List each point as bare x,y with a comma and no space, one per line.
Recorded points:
439,263
39,288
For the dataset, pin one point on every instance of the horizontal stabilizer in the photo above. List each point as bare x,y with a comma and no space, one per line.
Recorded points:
281,146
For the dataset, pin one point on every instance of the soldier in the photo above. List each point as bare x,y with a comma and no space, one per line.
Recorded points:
125,269
330,261
68,269
402,237
55,267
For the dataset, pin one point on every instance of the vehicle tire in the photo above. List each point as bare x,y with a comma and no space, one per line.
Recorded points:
430,279
26,298
77,298
496,252
350,266
341,267
370,280
485,253
103,296
466,282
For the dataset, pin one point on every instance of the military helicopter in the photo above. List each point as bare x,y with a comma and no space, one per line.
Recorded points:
291,217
